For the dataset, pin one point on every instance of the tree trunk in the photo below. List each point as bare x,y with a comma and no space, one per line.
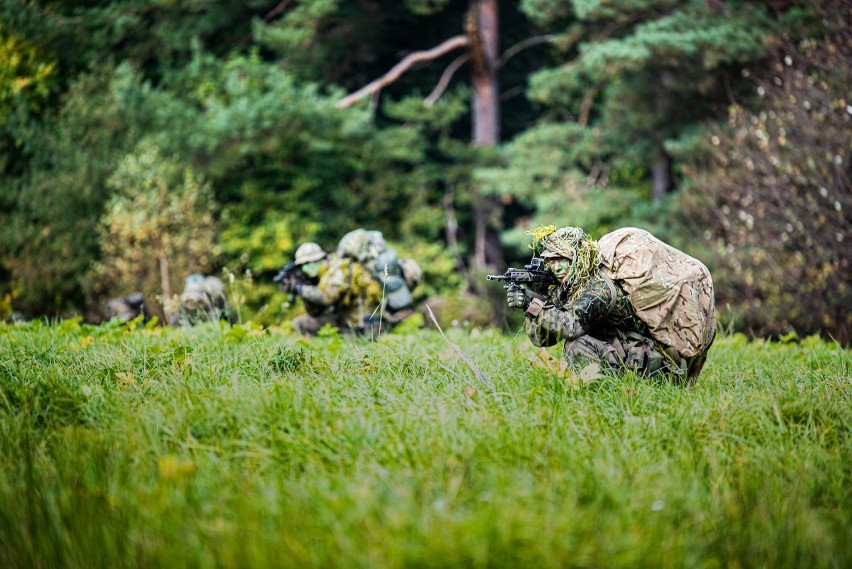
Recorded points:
482,29
483,33
662,170
662,175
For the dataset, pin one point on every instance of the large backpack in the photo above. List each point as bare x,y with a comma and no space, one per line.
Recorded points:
671,292
369,248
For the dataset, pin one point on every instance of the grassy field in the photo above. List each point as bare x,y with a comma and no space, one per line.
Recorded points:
238,447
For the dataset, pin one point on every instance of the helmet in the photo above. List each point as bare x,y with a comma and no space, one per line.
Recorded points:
193,286
411,272
214,287
374,246
353,243
135,300
308,253
564,242
571,243
550,254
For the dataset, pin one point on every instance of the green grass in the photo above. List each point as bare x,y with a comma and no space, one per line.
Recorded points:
235,447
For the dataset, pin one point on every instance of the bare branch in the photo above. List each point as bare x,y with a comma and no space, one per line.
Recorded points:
588,101
521,46
397,70
275,11
445,80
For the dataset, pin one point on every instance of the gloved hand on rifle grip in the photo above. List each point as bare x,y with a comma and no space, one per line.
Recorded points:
517,297
289,285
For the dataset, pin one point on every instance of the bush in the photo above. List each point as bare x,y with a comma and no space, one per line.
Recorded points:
776,193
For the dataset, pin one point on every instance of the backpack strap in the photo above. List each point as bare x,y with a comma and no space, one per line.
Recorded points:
613,292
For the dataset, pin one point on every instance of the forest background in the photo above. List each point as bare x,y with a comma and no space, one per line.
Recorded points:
144,140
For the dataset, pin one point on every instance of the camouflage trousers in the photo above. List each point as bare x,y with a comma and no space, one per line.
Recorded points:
622,352
308,325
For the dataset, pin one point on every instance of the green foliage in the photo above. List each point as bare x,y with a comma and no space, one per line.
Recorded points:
159,227
654,79
26,75
540,171
243,94
48,225
266,246
215,442
298,27
776,196
547,12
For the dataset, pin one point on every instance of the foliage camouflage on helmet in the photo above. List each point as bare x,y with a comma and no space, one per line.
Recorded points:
571,243
539,234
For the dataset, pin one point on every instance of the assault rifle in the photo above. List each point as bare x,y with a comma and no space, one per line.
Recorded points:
535,276
290,273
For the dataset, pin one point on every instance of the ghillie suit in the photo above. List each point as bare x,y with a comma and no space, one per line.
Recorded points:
628,300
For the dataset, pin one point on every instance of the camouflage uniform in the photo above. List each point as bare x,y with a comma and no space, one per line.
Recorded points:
125,308
594,333
346,296
591,313
203,299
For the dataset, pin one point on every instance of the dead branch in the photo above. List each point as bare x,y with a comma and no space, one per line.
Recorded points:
445,80
588,101
275,11
464,356
521,46
397,70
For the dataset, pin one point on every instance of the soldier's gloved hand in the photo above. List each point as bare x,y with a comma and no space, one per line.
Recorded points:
516,297
288,285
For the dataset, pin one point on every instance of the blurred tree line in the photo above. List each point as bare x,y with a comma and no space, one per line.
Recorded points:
143,140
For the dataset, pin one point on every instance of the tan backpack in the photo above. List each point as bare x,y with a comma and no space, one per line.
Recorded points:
670,291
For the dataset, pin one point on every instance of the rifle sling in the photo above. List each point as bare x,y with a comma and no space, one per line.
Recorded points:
613,292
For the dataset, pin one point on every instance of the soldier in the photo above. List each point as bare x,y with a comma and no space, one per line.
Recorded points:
396,276
203,299
126,308
305,268
346,296
308,266
591,311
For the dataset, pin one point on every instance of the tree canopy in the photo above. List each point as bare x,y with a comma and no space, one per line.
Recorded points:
604,114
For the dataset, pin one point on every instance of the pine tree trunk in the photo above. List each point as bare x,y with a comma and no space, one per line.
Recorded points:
482,28
662,170
662,175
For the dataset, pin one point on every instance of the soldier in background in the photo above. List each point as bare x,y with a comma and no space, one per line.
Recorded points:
305,268
345,296
397,277
126,308
308,266
203,299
